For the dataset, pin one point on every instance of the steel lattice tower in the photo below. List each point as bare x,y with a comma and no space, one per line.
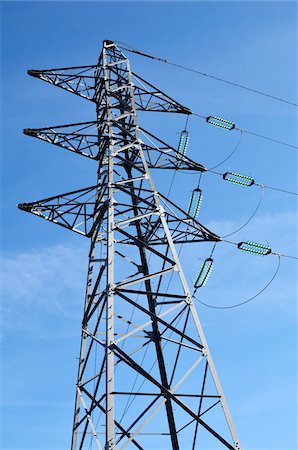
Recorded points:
146,378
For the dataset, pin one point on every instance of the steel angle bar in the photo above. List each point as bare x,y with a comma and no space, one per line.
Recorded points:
142,414
97,375
34,72
128,259
155,294
137,393
125,147
179,346
133,441
89,419
210,407
131,353
92,336
83,388
55,197
126,162
120,61
85,359
144,325
142,208
144,244
129,322
82,126
146,277
92,306
179,343
139,217
161,404
159,319
119,88
173,321
99,219
138,336
122,116
130,180
138,197
121,354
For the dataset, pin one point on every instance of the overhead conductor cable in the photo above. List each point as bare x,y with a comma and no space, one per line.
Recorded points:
213,118
256,91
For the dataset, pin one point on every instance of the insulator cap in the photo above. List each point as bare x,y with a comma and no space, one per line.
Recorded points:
33,73
30,132
24,207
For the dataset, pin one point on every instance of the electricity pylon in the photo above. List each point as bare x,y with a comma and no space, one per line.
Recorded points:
146,378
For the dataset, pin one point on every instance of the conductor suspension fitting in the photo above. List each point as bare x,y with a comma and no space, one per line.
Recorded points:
254,247
221,123
204,273
183,143
238,178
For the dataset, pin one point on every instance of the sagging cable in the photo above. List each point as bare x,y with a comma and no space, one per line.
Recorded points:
244,301
229,155
229,126
251,217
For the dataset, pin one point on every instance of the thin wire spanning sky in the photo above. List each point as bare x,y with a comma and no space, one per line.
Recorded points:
44,267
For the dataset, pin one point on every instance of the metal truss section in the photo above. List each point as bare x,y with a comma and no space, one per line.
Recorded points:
146,378
77,80
83,138
80,211
183,227
77,210
88,82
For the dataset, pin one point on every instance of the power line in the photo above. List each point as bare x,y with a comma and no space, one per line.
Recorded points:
257,184
272,253
230,154
285,191
284,256
250,218
245,301
208,75
268,138
242,130
276,189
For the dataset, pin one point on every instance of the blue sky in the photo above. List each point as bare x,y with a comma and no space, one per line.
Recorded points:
44,267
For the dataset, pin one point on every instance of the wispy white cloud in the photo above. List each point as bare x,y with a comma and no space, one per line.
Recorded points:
279,227
49,279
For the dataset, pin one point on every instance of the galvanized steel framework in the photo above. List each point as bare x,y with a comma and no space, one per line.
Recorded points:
146,378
